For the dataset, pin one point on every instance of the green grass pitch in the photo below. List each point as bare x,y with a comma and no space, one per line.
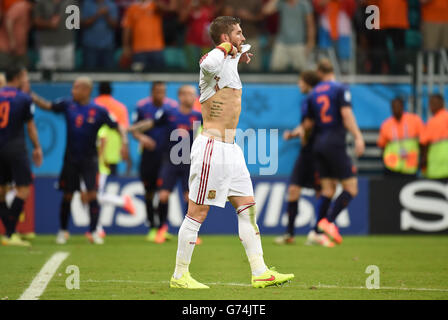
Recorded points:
127,267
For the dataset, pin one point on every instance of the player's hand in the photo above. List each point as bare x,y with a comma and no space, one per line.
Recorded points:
246,57
37,156
148,143
287,135
230,49
84,197
300,132
359,146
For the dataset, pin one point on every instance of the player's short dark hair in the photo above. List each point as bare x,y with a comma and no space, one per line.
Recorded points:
437,96
222,25
157,83
325,66
400,100
310,77
105,87
13,71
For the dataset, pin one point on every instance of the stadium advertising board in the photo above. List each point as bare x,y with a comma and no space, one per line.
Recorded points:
269,196
26,219
408,206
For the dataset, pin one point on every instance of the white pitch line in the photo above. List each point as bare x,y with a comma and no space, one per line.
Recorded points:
232,284
325,286
40,282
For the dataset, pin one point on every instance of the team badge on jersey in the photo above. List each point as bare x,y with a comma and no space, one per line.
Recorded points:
211,194
92,113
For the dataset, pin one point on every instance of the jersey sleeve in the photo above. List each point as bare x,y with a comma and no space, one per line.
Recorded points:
308,108
107,119
128,18
125,118
303,109
137,115
59,105
211,63
29,108
344,97
162,115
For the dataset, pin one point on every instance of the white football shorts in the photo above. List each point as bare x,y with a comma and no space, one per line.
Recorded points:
218,170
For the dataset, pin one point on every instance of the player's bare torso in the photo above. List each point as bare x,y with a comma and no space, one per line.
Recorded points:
221,113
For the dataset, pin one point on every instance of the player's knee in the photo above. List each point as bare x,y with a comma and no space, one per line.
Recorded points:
351,186
84,197
2,194
68,196
23,192
164,195
198,212
198,215
293,193
328,192
91,196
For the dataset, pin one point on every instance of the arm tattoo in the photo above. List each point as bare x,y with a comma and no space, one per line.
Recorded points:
40,102
216,109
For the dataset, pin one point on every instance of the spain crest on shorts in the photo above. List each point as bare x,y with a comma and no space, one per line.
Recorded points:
211,194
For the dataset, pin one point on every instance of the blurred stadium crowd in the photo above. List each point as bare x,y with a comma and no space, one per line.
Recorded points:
286,35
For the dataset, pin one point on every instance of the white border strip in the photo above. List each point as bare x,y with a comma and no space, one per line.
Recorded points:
40,282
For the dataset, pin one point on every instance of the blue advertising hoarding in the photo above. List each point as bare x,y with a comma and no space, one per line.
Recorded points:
270,196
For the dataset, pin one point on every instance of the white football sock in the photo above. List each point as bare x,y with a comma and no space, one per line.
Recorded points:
188,234
250,237
105,198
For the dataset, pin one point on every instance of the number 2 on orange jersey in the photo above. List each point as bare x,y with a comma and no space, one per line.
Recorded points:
325,101
4,114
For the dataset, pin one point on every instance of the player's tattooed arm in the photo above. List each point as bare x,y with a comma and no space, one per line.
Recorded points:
41,102
216,109
350,124
137,131
37,154
142,126
298,131
308,124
